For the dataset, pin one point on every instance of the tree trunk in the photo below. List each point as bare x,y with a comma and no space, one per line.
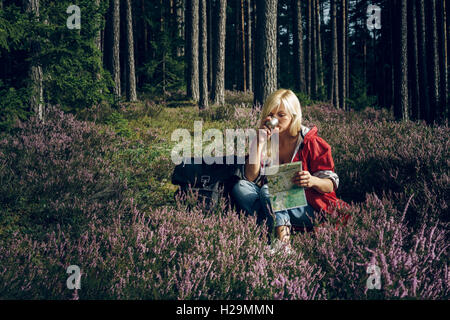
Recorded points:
249,48
238,50
36,73
447,55
424,106
299,73
413,66
210,42
98,39
441,17
334,57
266,50
116,49
433,58
401,111
192,48
219,54
309,47
244,65
203,58
319,47
180,26
342,55
131,90
347,55
314,50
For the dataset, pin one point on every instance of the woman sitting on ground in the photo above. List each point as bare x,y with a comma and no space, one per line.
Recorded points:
296,143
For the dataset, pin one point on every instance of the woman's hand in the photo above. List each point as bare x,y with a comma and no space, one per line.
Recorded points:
304,179
262,138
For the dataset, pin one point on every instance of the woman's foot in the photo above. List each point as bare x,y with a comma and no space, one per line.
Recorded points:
283,240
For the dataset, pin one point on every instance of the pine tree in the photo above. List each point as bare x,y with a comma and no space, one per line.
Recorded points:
132,95
243,45
299,73
266,50
334,79
203,74
218,89
424,105
404,62
249,47
36,73
433,58
342,55
413,66
192,47
116,49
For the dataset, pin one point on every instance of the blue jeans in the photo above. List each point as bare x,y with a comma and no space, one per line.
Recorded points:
251,198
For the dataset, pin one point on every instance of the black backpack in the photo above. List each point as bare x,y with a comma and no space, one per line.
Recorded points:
211,181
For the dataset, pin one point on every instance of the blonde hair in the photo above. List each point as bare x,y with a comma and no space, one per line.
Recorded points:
290,102
293,107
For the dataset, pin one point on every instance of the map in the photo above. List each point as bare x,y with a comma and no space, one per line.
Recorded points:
284,194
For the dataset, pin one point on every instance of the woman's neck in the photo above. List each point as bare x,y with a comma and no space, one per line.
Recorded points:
286,140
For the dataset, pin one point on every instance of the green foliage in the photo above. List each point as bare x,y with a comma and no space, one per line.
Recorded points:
164,70
13,106
359,99
305,100
119,123
74,77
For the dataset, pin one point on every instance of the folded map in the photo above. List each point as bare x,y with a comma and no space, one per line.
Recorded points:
284,194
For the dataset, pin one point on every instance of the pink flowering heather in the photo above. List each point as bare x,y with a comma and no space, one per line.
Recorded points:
65,201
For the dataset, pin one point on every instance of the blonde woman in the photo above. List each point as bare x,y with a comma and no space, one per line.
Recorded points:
295,143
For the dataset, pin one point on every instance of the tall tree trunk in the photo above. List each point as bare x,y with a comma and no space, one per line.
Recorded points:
447,55
424,106
413,67
192,48
401,111
203,58
314,50
244,65
238,50
342,55
309,47
443,89
180,26
36,72
347,55
131,90
299,73
433,58
98,39
249,47
116,49
334,58
218,89
210,42
319,46
266,50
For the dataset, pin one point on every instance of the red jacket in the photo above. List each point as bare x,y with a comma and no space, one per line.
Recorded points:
315,156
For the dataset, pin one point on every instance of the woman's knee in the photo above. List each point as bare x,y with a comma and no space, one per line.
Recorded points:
245,188
245,193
